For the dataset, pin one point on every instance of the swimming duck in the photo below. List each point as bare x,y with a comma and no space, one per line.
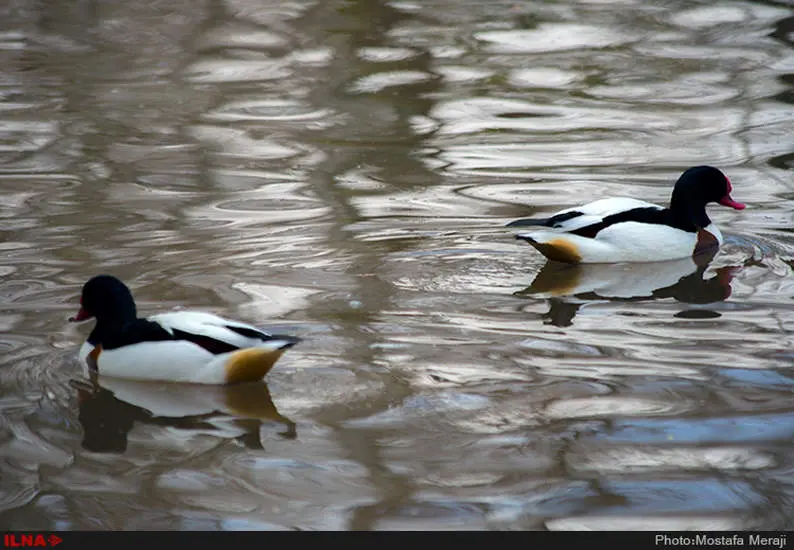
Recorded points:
629,230
180,346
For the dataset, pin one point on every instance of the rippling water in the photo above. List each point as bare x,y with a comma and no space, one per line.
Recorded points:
343,170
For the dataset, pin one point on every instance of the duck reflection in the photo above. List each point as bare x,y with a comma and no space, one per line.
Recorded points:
109,409
568,287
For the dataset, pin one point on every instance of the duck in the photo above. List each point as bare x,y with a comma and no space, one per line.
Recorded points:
178,346
620,229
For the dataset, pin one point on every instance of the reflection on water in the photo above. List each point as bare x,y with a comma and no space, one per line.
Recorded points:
683,280
109,410
343,171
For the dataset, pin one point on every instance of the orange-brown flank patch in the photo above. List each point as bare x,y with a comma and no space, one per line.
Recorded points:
706,242
559,250
93,357
250,365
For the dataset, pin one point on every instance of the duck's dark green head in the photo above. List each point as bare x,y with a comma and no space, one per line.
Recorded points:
702,185
697,187
106,298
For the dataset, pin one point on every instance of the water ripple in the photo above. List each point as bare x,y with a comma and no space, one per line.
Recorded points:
236,70
343,171
634,460
549,37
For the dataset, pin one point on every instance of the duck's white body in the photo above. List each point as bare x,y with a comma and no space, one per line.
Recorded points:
623,241
184,360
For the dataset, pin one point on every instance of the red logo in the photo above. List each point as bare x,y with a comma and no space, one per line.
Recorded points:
20,541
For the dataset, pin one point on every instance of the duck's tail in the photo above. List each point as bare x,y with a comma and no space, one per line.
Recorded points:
282,341
250,365
555,247
254,363
531,222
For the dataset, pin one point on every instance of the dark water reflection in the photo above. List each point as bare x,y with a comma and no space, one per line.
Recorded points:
343,171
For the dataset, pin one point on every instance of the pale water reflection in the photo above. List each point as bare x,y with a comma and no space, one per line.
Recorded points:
343,171
110,409
568,287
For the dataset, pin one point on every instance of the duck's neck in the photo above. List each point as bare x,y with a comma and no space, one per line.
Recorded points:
108,326
688,215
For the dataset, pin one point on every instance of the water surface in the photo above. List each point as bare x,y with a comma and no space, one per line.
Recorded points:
343,170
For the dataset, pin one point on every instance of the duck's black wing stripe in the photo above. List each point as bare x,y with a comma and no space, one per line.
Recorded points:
649,215
553,221
265,336
216,347
249,332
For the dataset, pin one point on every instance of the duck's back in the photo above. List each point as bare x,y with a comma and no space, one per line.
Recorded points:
208,325
593,213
